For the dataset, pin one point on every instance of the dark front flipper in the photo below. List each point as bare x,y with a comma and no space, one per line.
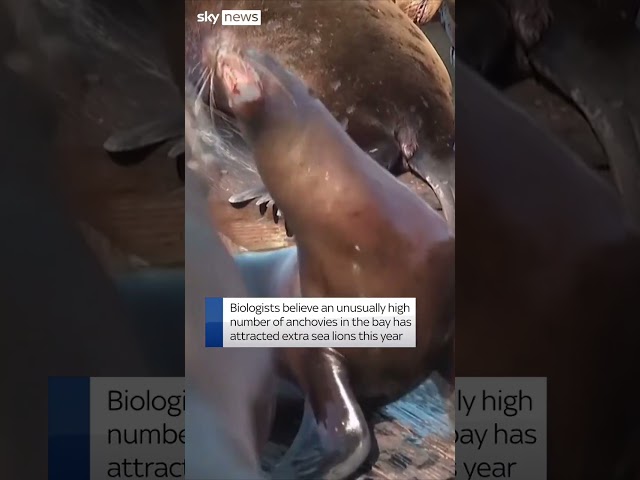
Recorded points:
594,62
146,135
333,439
264,202
439,174
260,194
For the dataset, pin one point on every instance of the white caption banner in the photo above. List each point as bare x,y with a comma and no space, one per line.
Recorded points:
319,322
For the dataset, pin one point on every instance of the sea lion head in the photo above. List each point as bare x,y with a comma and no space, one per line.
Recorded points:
254,83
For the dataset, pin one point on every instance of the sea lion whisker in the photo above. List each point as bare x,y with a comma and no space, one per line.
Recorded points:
212,98
203,72
198,97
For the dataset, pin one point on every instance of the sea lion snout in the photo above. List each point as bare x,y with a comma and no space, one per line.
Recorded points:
241,83
250,77
261,93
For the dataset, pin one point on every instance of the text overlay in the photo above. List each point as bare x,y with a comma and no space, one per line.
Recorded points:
311,322
501,428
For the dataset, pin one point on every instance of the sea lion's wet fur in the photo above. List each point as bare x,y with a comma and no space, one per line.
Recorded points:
363,211
360,233
371,66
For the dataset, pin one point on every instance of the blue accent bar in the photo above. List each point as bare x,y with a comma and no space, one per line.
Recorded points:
213,322
69,428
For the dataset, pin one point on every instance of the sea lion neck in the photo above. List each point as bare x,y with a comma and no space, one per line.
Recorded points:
324,180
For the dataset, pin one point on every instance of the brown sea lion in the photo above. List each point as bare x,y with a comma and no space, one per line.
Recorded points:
166,15
360,233
549,281
373,68
231,392
588,54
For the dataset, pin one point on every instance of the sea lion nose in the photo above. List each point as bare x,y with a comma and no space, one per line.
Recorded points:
439,174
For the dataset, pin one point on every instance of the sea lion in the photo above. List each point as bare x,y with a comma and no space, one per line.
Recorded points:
605,95
549,281
164,16
395,101
231,392
360,233
583,33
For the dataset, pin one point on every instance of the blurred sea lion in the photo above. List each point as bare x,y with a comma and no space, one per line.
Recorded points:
231,392
549,283
588,54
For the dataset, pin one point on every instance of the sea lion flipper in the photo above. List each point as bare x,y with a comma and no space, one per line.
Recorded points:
334,438
315,455
262,199
249,195
145,135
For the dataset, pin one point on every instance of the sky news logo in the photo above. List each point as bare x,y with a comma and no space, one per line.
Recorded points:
232,17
